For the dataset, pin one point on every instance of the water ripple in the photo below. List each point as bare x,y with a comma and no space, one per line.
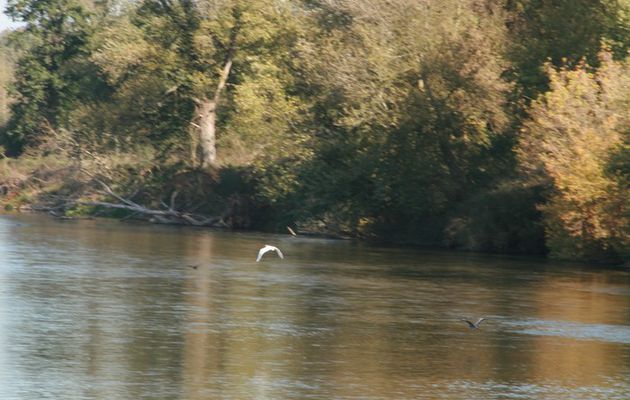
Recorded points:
573,330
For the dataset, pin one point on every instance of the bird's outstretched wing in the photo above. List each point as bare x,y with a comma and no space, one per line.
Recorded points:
261,252
479,321
267,248
279,252
470,324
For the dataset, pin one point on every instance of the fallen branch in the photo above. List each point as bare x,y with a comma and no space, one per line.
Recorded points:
167,216
162,216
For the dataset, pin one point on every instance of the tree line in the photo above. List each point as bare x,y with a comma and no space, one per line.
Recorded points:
494,125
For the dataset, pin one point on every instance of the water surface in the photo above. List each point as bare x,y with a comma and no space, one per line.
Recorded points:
108,310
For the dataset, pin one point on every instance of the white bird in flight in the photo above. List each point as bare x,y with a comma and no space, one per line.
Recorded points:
267,248
473,325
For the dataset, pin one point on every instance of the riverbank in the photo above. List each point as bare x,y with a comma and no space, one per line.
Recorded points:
122,186
128,187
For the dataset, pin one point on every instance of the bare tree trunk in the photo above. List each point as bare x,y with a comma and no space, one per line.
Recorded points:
207,112
207,108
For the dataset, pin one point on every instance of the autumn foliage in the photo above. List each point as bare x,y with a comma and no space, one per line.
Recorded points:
567,143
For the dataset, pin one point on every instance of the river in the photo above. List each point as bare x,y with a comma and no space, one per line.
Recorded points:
96,309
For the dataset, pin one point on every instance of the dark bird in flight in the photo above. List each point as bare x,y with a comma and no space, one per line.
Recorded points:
473,325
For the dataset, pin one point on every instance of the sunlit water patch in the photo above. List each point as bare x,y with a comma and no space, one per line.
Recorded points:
540,391
572,330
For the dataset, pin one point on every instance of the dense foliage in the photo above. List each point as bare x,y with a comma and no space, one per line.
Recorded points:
568,140
496,125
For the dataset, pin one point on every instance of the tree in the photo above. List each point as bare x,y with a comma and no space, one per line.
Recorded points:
43,82
567,144
194,56
562,32
6,74
407,100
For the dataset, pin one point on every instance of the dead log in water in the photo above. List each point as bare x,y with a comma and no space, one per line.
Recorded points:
161,216
169,215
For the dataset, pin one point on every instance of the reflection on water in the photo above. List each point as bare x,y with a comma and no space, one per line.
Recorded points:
105,310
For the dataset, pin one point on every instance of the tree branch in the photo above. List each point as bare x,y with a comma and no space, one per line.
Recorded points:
227,67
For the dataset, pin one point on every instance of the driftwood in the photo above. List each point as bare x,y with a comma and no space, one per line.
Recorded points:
161,216
167,216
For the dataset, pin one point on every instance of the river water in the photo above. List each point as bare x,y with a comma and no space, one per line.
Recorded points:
108,310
